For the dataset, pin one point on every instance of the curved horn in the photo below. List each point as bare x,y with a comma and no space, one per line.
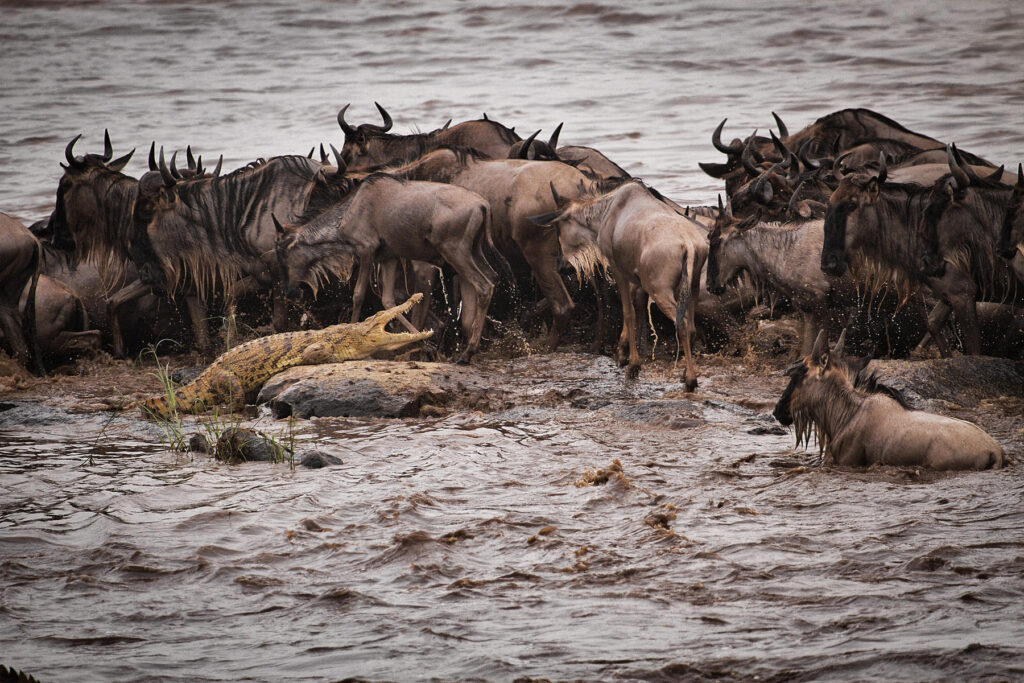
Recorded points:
837,350
763,190
345,128
152,157
69,155
524,150
883,170
716,140
120,162
216,171
387,119
559,201
553,140
961,178
174,168
783,131
807,160
820,344
792,207
189,158
837,166
169,180
108,149
338,160
747,157
996,175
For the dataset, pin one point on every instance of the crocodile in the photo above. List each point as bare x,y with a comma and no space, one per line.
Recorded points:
242,370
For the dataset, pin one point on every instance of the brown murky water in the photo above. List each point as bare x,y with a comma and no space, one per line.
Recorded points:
462,548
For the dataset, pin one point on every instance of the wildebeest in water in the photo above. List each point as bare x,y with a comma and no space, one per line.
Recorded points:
859,422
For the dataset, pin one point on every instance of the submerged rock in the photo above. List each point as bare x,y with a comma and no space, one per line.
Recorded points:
238,444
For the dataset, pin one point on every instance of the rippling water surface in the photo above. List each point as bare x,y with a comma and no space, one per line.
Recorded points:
461,547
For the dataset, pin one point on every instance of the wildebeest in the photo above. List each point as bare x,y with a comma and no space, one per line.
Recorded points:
387,219
651,251
369,146
214,234
858,422
61,321
20,255
515,189
872,226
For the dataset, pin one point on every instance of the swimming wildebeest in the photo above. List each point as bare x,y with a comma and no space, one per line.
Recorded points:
858,422
650,249
387,219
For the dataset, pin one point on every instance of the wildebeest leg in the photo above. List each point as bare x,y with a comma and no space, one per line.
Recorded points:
686,310
644,328
388,275
629,325
133,291
937,319
10,323
476,290
545,270
600,287
197,315
423,282
362,285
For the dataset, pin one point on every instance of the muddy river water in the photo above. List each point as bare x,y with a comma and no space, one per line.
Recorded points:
594,528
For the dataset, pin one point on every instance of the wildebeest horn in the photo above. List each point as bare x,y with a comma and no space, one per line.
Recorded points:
311,150
216,171
996,175
120,162
837,350
747,156
169,180
338,160
961,178
792,206
190,159
883,170
152,157
783,131
820,345
807,160
559,201
174,168
323,154
387,119
837,166
446,124
345,128
524,149
763,190
69,155
199,165
553,140
1020,175
716,139
716,170
108,149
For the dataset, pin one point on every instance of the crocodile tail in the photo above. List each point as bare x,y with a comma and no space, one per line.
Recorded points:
186,400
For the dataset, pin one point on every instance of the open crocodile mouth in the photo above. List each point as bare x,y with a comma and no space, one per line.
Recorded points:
382,318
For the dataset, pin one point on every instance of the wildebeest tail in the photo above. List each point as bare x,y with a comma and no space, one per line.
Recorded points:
490,254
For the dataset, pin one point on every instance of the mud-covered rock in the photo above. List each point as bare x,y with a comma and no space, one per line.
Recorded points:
961,380
379,389
238,444
315,460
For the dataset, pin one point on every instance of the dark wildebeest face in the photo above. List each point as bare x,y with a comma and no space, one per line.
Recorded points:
809,379
844,216
1011,233
782,411
85,193
364,140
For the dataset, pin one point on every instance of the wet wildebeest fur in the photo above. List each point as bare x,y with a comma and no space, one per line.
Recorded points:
651,251
20,256
858,422
388,219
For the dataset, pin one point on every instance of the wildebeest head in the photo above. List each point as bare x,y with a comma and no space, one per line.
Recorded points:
94,203
358,140
302,260
577,229
538,150
813,379
1011,233
855,190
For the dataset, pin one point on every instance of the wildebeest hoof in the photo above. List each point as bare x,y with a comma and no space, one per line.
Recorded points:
691,385
632,372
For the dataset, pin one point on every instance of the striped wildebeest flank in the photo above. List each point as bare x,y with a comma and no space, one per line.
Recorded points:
651,251
859,422
388,219
213,236
369,146
516,190
20,255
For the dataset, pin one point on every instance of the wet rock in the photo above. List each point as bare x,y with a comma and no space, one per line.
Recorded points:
314,460
26,413
186,375
198,443
379,389
238,444
960,380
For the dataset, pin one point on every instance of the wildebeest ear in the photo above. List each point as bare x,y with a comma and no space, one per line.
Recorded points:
820,348
545,219
872,189
838,353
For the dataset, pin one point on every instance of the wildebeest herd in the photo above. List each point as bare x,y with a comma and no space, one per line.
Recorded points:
854,221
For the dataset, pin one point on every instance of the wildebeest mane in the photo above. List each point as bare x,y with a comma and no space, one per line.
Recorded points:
104,241
869,383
